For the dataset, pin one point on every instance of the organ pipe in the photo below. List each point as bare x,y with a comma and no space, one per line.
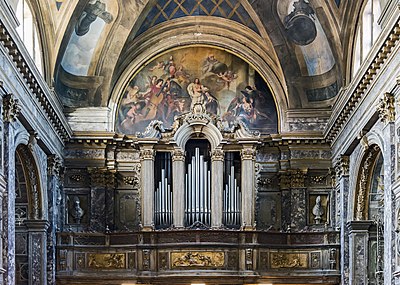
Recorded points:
232,195
198,190
163,192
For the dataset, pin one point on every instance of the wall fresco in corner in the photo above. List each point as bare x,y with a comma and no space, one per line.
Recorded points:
172,83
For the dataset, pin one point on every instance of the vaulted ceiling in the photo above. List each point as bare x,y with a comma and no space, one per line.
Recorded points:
95,43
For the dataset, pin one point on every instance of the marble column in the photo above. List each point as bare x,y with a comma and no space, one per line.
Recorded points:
37,251
54,202
11,111
387,115
2,191
217,187
342,173
178,187
147,155
248,154
358,247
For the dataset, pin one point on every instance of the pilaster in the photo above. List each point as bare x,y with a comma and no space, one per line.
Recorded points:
178,186
37,251
342,172
387,115
217,166
147,156
248,154
358,246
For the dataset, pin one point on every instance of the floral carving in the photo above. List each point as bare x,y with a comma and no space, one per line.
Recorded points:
11,108
386,108
342,166
217,155
147,154
248,154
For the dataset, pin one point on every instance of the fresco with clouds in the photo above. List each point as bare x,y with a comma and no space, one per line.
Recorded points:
174,82
87,33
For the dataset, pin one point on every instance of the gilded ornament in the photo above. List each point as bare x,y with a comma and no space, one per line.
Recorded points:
248,154
198,259
106,261
147,154
217,155
289,260
178,155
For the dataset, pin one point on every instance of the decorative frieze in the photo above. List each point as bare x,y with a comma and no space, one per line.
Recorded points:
386,108
106,261
11,108
289,260
198,259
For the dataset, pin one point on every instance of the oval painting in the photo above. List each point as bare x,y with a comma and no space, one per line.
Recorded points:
171,84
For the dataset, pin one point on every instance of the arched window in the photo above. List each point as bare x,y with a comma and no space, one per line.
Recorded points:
28,33
367,32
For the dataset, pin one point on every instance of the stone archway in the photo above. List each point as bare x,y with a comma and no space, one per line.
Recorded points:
30,228
366,230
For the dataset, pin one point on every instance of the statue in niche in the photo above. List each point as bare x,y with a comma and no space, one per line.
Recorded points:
77,212
318,210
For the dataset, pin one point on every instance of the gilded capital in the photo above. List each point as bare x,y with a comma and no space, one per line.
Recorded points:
386,108
11,108
248,154
178,155
147,154
217,155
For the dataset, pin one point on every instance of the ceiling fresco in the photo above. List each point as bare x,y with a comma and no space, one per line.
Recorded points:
103,33
87,32
172,84
163,11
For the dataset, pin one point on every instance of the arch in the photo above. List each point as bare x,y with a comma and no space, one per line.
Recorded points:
198,127
239,41
364,181
34,188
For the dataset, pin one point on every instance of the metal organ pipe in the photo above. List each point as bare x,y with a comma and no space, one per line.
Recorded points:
198,190
232,197
163,196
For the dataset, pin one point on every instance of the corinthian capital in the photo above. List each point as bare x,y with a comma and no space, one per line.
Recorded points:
342,166
386,108
11,108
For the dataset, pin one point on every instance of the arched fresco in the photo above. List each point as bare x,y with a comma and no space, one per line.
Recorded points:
172,83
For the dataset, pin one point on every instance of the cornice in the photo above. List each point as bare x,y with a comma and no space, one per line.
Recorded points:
107,138
45,97
359,90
